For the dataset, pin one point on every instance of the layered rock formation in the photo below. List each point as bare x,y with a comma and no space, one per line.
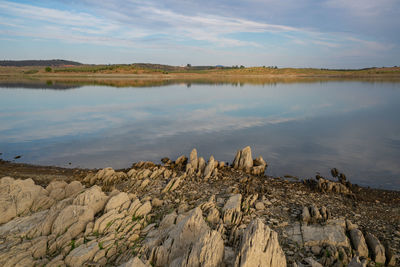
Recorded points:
189,212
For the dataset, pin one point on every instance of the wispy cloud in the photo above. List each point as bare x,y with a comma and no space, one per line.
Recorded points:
185,27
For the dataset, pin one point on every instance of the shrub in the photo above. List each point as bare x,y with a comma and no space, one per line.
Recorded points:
48,69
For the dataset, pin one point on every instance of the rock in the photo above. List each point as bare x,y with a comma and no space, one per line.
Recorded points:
312,263
356,262
259,161
173,184
73,188
231,210
221,164
135,262
118,202
143,210
333,233
72,220
259,205
376,248
208,250
243,159
209,168
107,176
390,256
358,242
170,245
260,247
39,247
93,198
156,202
350,226
213,215
181,160
57,194
202,166
315,213
78,256
193,160
305,215
330,186
316,250
17,197
56,185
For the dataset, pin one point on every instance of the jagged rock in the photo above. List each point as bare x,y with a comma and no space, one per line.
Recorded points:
118,202
156,173
78,256
243,159
209,168
135,262
213,215
305,215
17,197
259,161
358,242
132,173
173,184
189,169
202,166
106,220
330,186
260,247
315,213
231,210
93,197
181,160
208,251
107,176
170,245
193,160
143,210
249,202
376,248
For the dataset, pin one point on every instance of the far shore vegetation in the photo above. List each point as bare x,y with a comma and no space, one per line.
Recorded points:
59,68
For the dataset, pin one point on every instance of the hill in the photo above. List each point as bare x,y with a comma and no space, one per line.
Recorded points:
26,63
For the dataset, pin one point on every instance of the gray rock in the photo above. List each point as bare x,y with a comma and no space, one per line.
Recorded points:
358,242
376,248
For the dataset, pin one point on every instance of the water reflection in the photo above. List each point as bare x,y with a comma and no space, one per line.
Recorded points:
299,127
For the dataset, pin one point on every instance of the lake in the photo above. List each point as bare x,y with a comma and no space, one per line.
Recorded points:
300,128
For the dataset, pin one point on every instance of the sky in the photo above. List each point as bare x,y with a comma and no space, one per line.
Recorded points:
284,33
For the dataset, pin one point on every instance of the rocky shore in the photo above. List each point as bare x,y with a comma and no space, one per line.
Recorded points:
195,212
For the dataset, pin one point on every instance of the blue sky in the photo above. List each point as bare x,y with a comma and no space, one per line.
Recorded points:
286,33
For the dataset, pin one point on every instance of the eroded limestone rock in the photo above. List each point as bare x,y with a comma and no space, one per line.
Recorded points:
260,247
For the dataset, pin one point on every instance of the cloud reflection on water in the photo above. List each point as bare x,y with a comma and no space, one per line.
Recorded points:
298,128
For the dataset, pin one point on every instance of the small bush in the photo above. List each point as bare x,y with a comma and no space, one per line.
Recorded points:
48,69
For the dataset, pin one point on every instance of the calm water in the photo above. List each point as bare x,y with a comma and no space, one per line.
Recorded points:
299,128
